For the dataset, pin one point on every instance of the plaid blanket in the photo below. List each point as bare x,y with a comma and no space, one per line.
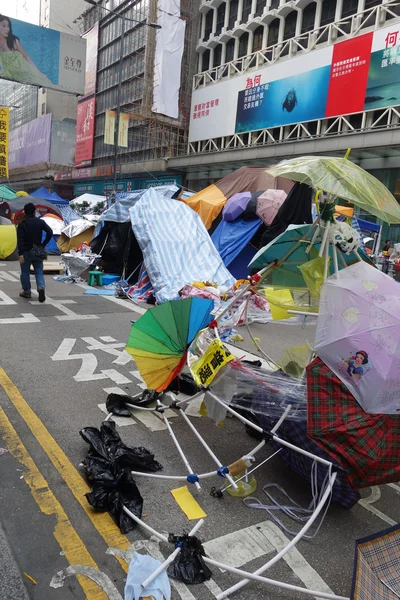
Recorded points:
366,446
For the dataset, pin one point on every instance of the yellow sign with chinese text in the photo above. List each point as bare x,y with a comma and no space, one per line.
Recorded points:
123,129
206,368
4,134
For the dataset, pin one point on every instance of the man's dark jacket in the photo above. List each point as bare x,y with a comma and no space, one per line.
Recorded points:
29,234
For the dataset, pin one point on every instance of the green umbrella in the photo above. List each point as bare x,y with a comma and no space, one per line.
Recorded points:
341,178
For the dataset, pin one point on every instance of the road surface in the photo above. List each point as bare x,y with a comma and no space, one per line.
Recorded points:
59,360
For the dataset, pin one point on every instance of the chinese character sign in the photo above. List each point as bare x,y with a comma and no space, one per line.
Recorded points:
206,368
85,133
123,130
4,130
109,127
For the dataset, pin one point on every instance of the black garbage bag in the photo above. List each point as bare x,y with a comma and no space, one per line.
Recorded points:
112,495
106,443
189,565
115,404
108,466
185,384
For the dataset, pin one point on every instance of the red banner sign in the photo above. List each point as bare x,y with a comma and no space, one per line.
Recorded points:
85,133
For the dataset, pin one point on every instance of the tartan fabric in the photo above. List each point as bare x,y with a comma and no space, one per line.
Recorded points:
296,433
366,446
377,566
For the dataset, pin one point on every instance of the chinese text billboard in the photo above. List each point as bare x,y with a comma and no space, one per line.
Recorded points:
4,133
41,56
109,127
85,133
358,74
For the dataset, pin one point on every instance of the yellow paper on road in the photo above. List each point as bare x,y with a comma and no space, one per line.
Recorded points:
214,358
188,504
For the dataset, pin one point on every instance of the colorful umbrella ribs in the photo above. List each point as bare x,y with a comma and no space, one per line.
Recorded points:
159,340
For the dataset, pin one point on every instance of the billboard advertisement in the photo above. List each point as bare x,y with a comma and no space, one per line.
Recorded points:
92,43
358,74
4,137
63,141
85,133
41,56
30,143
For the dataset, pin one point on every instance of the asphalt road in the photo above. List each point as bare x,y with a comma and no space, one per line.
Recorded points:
57,365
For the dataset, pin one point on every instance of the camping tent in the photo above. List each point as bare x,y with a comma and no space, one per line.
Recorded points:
8,238
209,202
75,234
6,193
57,225
42,206
177,254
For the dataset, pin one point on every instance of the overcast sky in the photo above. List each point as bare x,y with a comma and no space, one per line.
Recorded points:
25,10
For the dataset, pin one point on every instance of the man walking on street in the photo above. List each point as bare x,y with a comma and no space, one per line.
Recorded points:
31,250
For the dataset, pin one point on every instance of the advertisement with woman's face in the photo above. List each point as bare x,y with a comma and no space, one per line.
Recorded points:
40,56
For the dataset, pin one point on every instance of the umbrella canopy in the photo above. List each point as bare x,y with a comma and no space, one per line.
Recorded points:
6,193
159,340
42,207
269,203
341,178
366,446
358,335
377,566
235,206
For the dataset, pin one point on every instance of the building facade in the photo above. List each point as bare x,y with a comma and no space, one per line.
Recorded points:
284,78
153,138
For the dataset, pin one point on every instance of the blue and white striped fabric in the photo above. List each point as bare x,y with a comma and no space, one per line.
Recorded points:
68,214
355,225
177,249
119,212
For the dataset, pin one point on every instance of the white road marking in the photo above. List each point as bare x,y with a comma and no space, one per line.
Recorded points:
116,377
8,277
123,359
240,547
367,504
138,376
69,315
89,361
6,300
120,421
24,318
395,487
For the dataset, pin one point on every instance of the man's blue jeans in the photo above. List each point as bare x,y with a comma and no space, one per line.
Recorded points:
25,273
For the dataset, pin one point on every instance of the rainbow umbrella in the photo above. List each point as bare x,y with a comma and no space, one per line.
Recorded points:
159,340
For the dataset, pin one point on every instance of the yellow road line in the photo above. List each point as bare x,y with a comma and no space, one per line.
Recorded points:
74,549
102,521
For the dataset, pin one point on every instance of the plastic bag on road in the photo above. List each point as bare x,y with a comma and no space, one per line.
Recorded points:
189,565
140,568
108,466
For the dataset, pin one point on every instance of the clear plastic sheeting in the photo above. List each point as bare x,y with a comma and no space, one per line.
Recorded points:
261,392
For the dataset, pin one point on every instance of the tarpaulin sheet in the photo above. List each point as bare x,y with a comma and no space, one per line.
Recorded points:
231,237
176,247
119,212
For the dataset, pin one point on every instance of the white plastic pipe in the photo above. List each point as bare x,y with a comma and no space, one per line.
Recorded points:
239,572
171,557
179,448
301,451
283,417
335,259
174,477
323,243
288,547
236,414
326,263
207,447
247,472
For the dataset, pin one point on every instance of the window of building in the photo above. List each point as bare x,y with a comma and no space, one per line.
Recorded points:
260,7
274,4
328,12
243,44
209,23
233,12
290,25
44,108
308,23
258,38
206,60
220,17
273,33
217,55
230,50
372,3
349,8
246,10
